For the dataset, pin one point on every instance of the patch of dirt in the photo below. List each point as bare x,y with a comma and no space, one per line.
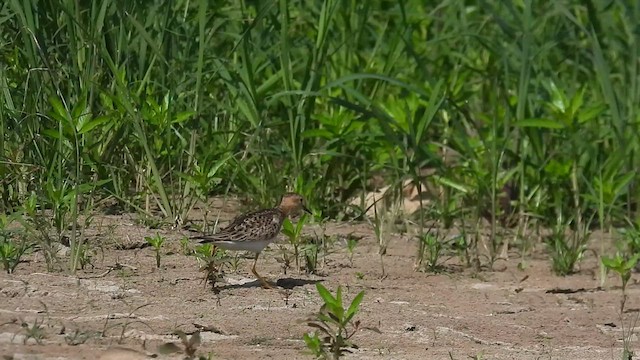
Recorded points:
124,302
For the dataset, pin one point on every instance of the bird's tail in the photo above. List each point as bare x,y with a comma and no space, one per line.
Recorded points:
204,239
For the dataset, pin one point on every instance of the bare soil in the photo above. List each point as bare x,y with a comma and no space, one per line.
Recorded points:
124,302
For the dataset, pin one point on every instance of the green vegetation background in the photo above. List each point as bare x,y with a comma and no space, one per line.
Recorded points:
160,103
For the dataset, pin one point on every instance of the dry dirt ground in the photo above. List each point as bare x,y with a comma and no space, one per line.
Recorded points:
502,314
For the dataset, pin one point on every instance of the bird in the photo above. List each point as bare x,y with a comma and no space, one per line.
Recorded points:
255,230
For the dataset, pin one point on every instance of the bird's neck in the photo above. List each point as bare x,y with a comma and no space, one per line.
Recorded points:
284,210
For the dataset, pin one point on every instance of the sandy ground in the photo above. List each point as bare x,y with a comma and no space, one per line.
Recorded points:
502,314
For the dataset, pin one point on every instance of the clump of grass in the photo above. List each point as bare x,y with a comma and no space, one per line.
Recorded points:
11,253
567,250
432,248
34,331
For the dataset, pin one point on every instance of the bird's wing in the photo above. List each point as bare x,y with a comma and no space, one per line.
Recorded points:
254,226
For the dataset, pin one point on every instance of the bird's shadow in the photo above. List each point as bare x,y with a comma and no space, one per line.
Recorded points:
285,283
291,283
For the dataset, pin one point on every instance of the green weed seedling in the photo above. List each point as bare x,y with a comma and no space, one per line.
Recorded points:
432,249
631,239
284,259
78,337
566,251
334,325
10,254
294,234
210,259
351,247
184,246
311,251
84,255
156,241
11,250
38,227
35,331
623,266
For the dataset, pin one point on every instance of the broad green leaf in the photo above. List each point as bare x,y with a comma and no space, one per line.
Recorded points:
623,182
79,111
438,96
612,263
576,102
54,134
317,133
183,116
325,295
60,113
91,124
287,228
214,169
540,123
559,100
631,263
452,184
353,308
338,310
591,113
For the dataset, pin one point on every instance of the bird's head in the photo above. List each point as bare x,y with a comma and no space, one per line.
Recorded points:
292,204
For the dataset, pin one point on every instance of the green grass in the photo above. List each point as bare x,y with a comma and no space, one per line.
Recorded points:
160,104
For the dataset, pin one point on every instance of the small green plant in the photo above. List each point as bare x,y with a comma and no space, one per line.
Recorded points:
432,249
38,227
210,259
311,251
382,224
294,234
35,331
234,262
11,249
567,251
623,265
351,246
10,254
84,255
334,325
631,239
460,246
185,247
285,258
78,337
156,241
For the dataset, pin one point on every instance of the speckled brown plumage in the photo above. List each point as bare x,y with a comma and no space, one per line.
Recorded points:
254,226
256,230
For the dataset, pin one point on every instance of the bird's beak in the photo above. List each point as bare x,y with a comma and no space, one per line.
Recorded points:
306,210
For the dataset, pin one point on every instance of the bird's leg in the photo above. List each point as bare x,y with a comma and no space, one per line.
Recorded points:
264,282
